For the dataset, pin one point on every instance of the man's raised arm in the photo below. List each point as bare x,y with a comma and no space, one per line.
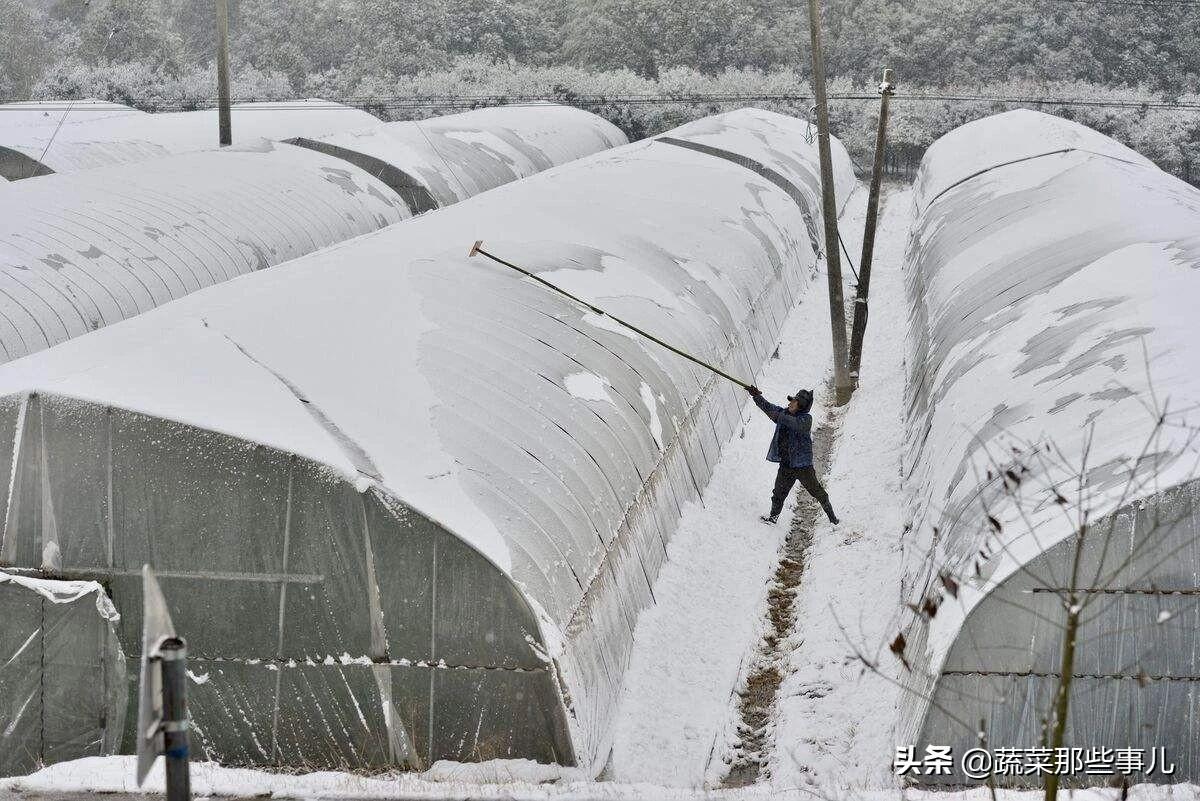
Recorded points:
769,409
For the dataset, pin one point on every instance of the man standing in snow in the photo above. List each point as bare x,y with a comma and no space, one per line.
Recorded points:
791,447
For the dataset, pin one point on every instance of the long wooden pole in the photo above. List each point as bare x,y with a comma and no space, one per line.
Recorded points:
842,385
477,249
859,328
224,120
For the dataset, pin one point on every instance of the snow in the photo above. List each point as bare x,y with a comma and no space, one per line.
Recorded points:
651,404
499,780
835,721
615,278
374,357
76,252
163,362
1079,300
199,678
689,647
588,386
111,136
460,155
1010,137
799,162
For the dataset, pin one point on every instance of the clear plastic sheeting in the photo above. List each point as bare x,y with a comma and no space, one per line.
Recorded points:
443,160
62,673
1053,301
416,516
92,136
82,251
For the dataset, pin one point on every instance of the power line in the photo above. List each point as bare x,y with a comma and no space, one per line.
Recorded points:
1136,3
445,102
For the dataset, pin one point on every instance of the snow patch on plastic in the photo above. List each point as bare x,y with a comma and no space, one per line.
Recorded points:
588,386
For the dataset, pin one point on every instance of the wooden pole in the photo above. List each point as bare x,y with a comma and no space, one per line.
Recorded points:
477,250
859,328
224,121
842,385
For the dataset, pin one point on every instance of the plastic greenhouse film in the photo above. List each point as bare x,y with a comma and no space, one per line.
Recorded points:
62,673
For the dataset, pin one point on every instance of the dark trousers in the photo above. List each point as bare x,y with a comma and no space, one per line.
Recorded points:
807,476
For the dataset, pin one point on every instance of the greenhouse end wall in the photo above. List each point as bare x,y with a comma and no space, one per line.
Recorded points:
1135,683
347,631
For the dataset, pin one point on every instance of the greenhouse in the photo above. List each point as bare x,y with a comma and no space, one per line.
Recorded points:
16,120
88,249
415,501
443,160
1052,275
93,136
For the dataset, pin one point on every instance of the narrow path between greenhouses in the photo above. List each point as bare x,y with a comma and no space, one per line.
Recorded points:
690,648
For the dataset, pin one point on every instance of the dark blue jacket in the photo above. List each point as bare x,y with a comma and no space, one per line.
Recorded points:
792,444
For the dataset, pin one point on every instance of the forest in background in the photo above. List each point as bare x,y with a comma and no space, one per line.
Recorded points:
647,65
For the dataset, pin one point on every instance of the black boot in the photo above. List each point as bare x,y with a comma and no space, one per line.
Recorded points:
829,513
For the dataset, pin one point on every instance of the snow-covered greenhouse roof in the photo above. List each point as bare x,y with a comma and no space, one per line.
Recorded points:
1003,139
100,139
53,113
477,433
88,249
1053,275
448,159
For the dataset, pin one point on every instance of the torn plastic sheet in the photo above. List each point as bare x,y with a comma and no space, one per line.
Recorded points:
62,672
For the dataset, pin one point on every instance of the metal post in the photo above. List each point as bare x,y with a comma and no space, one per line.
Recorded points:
859,327
224,121
842,385
175,718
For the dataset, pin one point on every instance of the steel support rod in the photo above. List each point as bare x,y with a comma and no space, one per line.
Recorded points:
175,719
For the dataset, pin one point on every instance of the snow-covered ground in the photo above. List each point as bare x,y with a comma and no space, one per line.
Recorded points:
834,721
114,775
711,592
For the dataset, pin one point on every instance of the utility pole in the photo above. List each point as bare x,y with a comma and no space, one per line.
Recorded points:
859,328
842,385
224,122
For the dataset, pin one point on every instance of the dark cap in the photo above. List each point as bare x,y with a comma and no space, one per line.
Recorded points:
802,395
